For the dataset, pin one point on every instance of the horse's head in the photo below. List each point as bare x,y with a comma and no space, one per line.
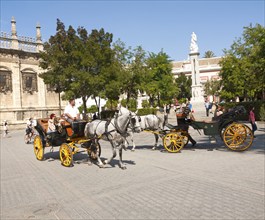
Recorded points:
135,122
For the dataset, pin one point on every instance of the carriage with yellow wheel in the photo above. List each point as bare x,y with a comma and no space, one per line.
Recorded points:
68,137
235,135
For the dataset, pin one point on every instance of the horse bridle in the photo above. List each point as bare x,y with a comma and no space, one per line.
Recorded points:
131,120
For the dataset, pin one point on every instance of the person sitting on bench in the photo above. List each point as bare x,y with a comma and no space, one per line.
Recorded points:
51,124
71,112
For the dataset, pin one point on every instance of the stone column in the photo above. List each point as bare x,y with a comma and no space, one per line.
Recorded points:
42,102
14,44
197,99
16,83
196,87
38,38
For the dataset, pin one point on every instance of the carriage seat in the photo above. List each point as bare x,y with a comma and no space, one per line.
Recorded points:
74,129
43,123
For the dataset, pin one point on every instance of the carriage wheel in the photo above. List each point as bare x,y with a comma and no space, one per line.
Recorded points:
38,148
94,150
66,155
173,142
185,138
238,137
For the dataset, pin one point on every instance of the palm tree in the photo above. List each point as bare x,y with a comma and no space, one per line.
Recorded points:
209,54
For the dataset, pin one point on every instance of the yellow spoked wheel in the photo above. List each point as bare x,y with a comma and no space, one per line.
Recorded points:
238,137
94,150
185,137
66,155
38,148
173,142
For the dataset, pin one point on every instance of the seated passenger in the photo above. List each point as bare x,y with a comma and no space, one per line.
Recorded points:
71,112
51,124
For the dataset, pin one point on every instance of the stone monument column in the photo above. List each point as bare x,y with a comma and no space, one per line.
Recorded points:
197,99
196,87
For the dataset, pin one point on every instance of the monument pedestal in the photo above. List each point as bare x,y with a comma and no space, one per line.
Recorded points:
199,110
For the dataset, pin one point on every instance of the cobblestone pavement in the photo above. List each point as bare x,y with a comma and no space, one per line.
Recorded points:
205,182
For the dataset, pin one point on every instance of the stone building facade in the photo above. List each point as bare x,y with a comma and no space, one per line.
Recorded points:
23,93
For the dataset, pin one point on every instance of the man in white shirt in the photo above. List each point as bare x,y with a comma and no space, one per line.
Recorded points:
71,112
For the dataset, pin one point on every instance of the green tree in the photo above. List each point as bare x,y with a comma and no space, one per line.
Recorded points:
243,72
132,73
208,54
54,58
158,81
184,84
212,87
79,64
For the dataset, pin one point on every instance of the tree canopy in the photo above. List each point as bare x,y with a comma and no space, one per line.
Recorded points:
79,64
209,54
84,65
243,67
184,84
158,81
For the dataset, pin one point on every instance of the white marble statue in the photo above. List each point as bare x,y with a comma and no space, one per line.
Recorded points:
193,43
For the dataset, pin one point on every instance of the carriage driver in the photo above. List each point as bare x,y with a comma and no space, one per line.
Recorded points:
71,112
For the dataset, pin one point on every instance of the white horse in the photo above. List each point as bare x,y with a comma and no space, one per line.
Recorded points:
148,122
114,131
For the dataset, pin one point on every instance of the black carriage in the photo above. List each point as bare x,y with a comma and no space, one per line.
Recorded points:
235,135
68,136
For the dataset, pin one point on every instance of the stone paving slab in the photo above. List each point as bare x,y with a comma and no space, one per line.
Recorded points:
205,182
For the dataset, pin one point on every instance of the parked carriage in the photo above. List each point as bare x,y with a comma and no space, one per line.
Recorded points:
68,137
235,135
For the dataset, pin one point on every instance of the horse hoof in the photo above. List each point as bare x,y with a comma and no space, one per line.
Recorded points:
105,162
123,167
101,166
132,150
154,148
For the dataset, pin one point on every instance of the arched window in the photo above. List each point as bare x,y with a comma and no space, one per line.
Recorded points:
29,81
5,80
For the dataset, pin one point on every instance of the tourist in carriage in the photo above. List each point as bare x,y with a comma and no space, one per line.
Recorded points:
52,124
71,112
72,116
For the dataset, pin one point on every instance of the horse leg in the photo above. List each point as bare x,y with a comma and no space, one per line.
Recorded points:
122,166
113,153
156,141
133,144
100,164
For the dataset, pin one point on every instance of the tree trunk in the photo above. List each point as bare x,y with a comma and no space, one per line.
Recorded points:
158,100
84,104
151,100
60,106
97,104
99,107
128,99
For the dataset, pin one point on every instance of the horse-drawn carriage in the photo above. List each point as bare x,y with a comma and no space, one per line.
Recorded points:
86,135
236,136
70,137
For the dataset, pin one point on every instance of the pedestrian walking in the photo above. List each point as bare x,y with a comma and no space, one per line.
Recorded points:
207,107
252,120
5,125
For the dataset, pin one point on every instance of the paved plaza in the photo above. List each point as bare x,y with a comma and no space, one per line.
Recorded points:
205,182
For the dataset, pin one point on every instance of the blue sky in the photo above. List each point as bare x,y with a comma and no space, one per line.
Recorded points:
154,25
